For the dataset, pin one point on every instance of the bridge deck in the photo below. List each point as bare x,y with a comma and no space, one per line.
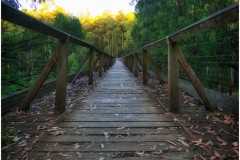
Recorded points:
117,119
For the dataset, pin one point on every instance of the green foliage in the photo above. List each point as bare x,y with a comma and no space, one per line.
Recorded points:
73,63
110,33
5,137
69,24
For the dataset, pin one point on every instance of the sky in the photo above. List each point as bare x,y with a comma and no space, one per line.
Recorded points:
94,7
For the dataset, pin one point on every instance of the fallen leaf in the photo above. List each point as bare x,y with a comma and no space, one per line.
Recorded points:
223,143
171,143
22,143
182,138
216,154
106,134
157,152
79,155
77,146
53,129
63,155
213,158
140,153
209,143
55,144
235,144
102,145
48,154
16,138
198,142
51,113
184,143
200,157
154,147
27,136
58,133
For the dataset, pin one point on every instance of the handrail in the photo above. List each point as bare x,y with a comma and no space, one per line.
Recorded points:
59,56
175,56
17,17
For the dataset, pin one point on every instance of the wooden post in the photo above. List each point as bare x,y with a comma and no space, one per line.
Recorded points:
173,86
135,65
40,80
144,66
61,81
130,63
100,65
105,63
231,81
194,79
155,70
91,66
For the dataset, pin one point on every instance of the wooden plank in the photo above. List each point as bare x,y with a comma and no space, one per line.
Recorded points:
100,65
108,147
80,139
173,88
145,67
91,66
61,82
105,63
155,70
119,131
117,124
194,80
135,66
118,118
41,78
111,155
156,43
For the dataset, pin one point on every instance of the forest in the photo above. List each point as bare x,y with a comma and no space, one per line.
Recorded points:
212,54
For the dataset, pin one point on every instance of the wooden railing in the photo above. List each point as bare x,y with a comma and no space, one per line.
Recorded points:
176,57
59,56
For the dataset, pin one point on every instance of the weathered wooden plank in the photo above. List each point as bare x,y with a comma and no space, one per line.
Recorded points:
119,110
135,71
118,124
91,66
173,87
120,131
108,147
194,79
100,66
71,139
61,81
145,67
111,155
118,118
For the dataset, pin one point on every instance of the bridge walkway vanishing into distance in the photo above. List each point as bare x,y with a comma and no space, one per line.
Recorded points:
120,115
116,119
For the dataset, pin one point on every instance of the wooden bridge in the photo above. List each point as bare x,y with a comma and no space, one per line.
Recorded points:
119,116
